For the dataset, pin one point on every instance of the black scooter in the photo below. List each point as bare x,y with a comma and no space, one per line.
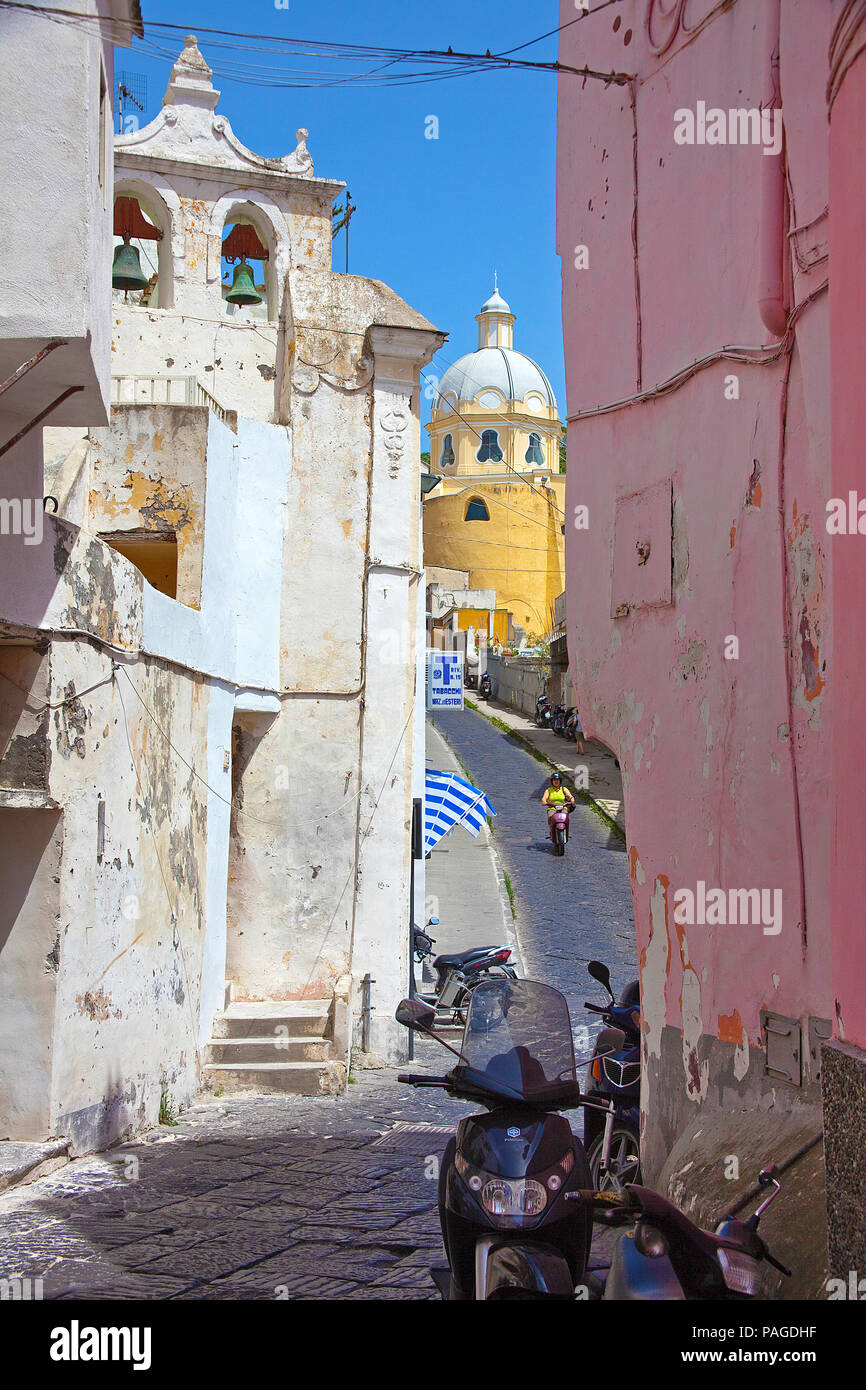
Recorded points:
456,975
557,722
484,687
543,712
507,1227
616,1077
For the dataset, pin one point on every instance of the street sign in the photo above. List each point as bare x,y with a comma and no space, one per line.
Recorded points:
444,680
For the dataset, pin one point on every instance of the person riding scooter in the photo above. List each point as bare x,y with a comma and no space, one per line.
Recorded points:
556,795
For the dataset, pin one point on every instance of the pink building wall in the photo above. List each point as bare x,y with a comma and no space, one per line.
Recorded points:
847,318
727,763
844,1072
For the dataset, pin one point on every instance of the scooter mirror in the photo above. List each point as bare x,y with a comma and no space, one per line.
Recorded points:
434,922
413,1013
599,971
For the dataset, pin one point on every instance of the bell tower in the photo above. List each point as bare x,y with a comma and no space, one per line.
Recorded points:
213,234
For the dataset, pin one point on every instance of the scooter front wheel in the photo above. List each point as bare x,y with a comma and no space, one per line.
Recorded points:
624,1165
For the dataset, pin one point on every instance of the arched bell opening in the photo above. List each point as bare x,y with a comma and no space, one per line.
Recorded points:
141,266
248,281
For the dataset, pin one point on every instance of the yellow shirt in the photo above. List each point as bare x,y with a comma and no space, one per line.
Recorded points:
555,796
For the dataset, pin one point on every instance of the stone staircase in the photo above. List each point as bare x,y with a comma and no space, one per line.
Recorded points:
294,1047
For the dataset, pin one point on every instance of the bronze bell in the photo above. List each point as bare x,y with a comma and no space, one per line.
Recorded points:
243,291
126,271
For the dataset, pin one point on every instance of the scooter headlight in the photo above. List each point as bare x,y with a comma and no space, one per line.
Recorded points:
513,1197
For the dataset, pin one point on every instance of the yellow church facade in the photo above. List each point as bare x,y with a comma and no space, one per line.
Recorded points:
498,511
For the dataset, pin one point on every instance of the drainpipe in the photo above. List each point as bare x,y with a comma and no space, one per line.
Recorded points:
771,287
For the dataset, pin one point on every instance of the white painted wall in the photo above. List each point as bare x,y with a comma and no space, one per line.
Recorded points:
55,255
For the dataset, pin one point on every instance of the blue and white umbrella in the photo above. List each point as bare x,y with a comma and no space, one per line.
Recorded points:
450,800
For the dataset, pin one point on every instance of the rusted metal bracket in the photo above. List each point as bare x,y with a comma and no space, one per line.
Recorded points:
32,362
70,391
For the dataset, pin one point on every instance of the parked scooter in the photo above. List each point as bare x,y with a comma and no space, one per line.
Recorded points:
559,822
456,976
543,712
573,728
484,687
557,722
615,1077
668,1257
503,1181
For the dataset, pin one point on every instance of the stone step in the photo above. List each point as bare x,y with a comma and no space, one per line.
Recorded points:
288,1078
301,1017
282,1048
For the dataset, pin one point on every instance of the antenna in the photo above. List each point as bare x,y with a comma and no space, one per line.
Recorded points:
344,221
132,87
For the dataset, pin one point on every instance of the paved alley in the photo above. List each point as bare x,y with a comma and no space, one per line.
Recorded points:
297,1198
569,910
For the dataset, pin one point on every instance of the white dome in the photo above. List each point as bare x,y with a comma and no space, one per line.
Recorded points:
495,305
504,369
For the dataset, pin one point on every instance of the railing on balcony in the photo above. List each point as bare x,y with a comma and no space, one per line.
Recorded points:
163,390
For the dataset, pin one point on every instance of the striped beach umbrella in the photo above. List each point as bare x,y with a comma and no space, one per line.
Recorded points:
450,800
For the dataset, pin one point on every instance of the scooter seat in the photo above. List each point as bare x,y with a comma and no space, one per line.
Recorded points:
446,962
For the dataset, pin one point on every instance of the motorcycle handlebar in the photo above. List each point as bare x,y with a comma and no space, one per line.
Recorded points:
596,1008
416,1079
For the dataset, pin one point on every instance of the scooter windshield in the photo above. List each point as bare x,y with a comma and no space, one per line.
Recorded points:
517,1041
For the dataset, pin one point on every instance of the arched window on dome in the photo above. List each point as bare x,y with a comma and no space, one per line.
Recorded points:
447,456
489,450
535,453
477,510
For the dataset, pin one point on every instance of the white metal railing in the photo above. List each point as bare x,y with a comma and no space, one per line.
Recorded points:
127,389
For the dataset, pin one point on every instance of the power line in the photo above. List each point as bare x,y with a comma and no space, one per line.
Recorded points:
447,64
498,501
501,545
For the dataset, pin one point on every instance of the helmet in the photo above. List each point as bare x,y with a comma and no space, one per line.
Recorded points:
630,997
556,776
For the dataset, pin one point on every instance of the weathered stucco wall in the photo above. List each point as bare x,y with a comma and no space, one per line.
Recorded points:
147,484
517,683
112,999
706,510
132,918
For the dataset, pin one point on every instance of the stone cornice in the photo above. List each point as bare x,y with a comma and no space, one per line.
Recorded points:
276,180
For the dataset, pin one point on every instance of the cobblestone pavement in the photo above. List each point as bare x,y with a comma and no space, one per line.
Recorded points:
275,1198
248,1198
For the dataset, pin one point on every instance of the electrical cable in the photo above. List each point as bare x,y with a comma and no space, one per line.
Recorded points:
248,815
447,63
760,356
55,704
177,940
482,386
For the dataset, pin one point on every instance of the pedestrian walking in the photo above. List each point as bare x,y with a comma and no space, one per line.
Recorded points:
578,733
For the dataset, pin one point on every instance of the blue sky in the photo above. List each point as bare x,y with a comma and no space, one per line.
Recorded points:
434,216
